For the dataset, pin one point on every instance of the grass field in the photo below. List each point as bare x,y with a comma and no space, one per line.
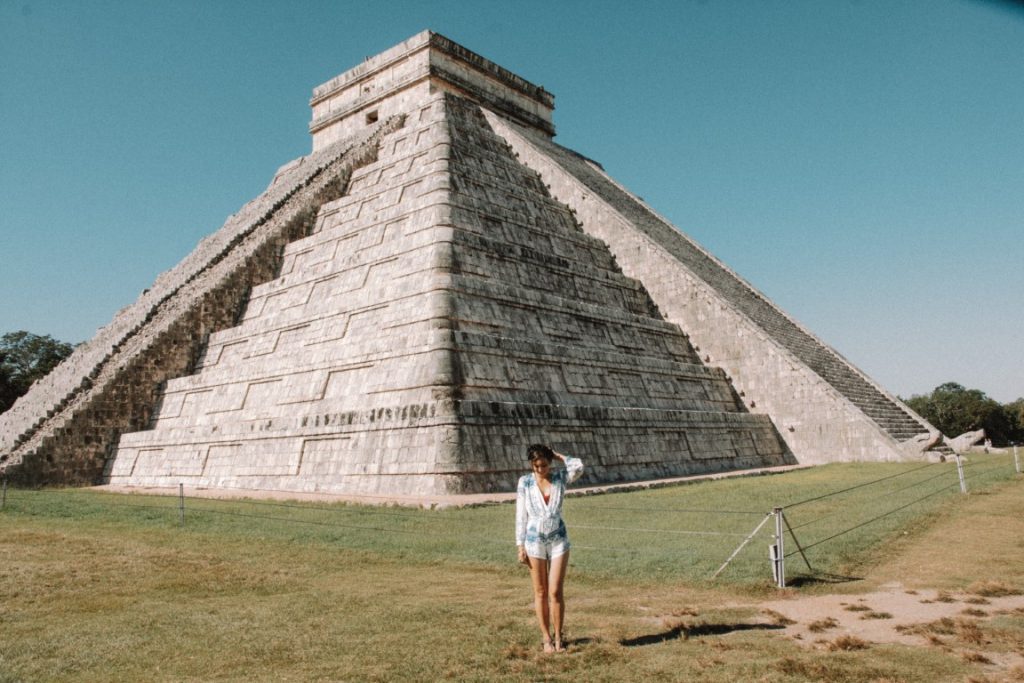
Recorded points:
104,587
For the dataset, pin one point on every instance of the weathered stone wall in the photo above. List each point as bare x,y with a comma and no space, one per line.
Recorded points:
825,409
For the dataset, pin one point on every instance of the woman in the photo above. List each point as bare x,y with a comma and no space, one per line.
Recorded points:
541,537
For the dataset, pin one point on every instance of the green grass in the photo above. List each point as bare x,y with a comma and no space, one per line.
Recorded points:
97,586
672,533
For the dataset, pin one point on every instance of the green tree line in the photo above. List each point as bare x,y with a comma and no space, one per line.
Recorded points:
954,409
24,358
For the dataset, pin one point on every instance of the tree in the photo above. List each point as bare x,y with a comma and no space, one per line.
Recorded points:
8,389
954,409
24,358
1016,411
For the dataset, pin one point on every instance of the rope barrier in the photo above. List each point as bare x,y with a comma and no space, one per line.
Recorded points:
648,551
881,495
859,486
304,521
342,497
573,498
658,531
682,510
419,532
45,492
875,519
339,509
979,471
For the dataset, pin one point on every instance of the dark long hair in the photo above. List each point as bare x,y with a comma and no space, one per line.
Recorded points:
539,450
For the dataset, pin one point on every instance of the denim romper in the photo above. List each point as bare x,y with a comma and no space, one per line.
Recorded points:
539,525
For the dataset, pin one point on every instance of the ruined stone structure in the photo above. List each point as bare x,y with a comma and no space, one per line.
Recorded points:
437,285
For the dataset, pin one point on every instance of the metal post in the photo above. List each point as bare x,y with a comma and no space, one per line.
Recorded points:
960,473
1016,460
181,503
780,551
741,545
797,541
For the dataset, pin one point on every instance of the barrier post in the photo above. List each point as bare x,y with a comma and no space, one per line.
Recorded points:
1016,459
960,473
797,541
742,545
181,503
778,551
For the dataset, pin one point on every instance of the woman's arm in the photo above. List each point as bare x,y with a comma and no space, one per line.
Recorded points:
573,467
521,521
521,513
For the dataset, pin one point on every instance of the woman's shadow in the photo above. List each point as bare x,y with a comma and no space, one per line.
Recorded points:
695,631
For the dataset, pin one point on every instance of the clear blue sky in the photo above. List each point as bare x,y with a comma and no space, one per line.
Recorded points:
860,162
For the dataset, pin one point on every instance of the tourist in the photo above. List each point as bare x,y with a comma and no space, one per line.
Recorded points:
541,536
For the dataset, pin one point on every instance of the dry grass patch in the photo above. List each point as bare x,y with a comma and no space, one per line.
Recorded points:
814,670
974,612
944,627
778,618
857,608
822,625
992,589
876,615
847,643
970,632
975,658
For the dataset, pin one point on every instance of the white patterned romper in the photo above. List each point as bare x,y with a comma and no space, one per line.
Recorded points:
539,525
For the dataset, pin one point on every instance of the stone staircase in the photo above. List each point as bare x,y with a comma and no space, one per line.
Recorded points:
883,409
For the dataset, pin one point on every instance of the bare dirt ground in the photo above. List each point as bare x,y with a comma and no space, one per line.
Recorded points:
954,621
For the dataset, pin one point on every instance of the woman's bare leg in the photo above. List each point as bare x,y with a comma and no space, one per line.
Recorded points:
556,578
539,573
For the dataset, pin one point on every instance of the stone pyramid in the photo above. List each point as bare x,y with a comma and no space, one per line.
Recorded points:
437,285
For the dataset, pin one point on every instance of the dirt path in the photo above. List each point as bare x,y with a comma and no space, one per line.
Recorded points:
958,622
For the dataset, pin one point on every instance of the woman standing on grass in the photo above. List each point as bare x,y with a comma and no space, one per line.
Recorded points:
541,536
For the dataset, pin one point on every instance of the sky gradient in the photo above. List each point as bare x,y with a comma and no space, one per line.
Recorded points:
861,162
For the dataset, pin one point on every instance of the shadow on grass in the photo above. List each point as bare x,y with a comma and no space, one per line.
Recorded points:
801,580
686,632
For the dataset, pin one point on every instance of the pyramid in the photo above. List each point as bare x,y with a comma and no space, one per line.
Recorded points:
435,286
